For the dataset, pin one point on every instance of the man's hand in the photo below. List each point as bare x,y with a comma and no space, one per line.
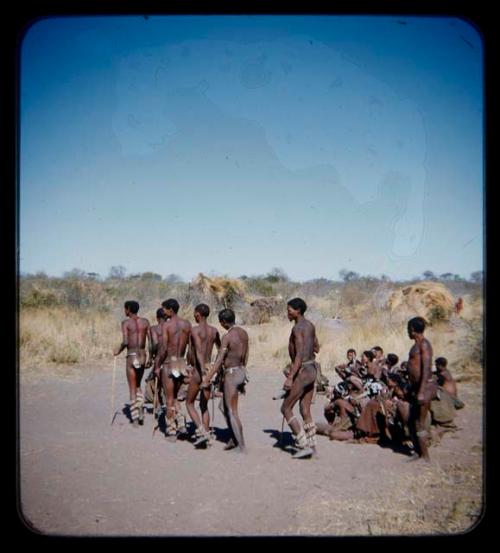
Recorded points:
288,383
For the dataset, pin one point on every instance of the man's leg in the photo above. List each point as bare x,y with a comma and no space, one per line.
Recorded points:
422,431
341,435
139,373
168,387
289,402
180,419
305,412
205,414
201,434
323,428
231,383
132,388
193,389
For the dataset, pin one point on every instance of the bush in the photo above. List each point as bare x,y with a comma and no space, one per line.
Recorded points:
66,354
39,297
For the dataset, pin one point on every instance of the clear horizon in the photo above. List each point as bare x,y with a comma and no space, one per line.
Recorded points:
235,144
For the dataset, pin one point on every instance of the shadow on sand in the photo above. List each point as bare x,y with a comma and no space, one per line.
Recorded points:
283,440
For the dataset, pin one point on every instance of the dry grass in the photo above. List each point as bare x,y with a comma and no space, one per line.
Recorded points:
431,501
59,336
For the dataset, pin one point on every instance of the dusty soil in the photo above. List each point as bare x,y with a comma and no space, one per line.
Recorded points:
80,475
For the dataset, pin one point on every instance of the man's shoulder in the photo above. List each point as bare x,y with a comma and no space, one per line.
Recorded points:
304,325
426,343
243,331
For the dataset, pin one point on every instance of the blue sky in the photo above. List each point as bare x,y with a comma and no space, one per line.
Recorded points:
233,144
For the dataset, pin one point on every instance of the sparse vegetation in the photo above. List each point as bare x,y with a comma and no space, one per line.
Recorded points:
69,324
75,319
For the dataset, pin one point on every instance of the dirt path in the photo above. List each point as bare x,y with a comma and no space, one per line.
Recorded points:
82,476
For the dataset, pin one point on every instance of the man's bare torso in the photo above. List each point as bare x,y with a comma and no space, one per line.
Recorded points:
415,363
205,336
175,333
237,347
308,334
136,329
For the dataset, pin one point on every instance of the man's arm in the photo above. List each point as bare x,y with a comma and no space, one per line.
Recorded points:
297,362
162,347
426,373
154,342
218,362
217,340
316,344
247,353
149,361
191,355
124,343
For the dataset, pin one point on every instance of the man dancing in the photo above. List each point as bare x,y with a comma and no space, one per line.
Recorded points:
301,378
203,339
171,363
135,330
232,359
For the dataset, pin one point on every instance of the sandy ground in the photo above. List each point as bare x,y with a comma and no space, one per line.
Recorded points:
81,476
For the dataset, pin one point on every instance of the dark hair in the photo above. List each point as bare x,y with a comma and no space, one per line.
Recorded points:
417,324
160,313
351,350
399,380
171,304
203,309
442,362
377,348
132,306
392,359
227,315
369,354
298,304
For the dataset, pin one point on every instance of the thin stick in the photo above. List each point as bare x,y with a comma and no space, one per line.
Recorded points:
155,401
113,391
212,393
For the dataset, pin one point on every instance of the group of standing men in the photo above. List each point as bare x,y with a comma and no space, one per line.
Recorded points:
181,354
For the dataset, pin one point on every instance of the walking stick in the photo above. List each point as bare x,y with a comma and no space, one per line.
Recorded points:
212,393
155,400
113,412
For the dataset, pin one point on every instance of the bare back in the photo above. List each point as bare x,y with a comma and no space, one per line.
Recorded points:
156,334
236,341
135,330
204,338
446,381
175,333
